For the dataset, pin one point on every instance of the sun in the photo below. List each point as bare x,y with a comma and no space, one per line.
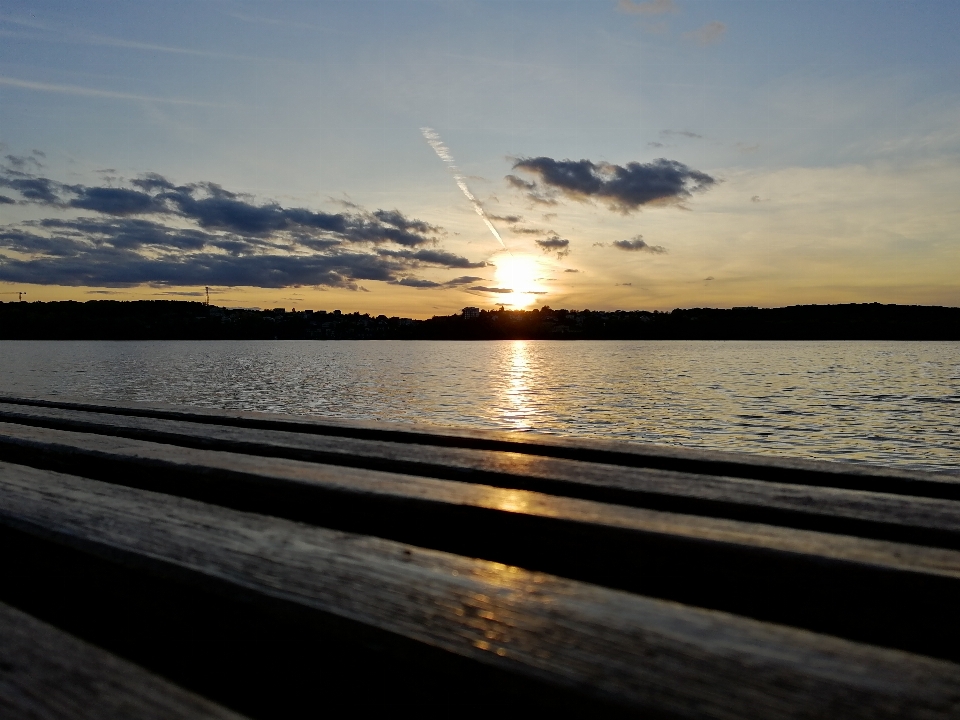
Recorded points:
518,273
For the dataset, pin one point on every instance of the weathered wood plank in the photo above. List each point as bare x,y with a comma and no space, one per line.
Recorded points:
866,514
639,652
885,593
779,469
46,674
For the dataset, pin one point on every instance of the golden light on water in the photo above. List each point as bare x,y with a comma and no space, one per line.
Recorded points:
517,409
519,273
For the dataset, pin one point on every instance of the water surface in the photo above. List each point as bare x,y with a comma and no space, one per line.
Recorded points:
878,402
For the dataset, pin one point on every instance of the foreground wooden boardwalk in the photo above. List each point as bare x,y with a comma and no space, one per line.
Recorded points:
171,562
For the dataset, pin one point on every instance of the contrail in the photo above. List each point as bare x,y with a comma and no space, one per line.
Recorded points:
443,152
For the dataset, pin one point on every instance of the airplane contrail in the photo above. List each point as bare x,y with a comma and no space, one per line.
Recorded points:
443,152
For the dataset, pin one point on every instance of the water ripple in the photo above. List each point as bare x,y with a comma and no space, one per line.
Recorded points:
877,402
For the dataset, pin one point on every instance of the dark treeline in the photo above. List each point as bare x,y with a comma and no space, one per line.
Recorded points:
168,320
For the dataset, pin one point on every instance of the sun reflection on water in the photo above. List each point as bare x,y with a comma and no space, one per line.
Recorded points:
518,408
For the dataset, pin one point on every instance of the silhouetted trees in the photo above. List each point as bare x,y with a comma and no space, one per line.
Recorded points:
169,319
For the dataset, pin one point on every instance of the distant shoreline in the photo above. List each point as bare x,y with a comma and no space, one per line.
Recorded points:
179,320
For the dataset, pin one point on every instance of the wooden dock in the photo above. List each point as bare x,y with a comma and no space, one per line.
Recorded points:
173,562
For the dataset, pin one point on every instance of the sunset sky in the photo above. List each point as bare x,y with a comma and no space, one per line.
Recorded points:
631,155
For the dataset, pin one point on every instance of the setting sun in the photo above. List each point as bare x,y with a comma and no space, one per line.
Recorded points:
518,273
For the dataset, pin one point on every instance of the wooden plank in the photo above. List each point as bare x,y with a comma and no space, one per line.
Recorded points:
920,520
46,674
866,514
640,653
779,469
887,593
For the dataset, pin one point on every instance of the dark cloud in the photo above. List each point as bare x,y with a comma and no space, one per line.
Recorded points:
432,257
115,201
152,182
481,288
160,233
215,208
33,189
623,187
4,200
555,243
638,244
656,144
417,283
527,231
571,270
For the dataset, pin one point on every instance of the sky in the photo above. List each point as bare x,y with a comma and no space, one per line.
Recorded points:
412,158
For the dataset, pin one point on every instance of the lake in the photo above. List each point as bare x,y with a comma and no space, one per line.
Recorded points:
892,403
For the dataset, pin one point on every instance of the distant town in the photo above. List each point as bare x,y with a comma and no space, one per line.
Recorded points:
172,320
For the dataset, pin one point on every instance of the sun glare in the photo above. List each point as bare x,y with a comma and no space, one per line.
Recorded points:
519,274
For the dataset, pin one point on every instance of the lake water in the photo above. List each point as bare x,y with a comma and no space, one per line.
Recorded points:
878,402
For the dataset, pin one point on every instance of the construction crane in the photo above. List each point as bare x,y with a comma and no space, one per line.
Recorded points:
207,303
15,292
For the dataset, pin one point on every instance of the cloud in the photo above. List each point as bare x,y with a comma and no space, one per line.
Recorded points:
656,144
94,92
681,133
116,201
571,270
511,219
623,187
417,282
638,244
652,7
531,190
555,243
160,233
481,288
432,257
709,34
4,200
22,162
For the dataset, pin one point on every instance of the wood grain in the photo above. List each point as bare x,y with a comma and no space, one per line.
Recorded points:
886,593
639,652
883,516
46,674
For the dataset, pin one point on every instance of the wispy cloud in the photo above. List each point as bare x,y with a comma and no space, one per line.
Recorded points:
96,92
652,7
709,34
64,34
